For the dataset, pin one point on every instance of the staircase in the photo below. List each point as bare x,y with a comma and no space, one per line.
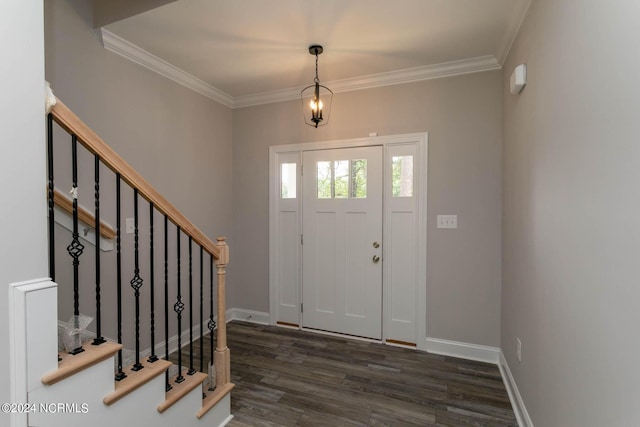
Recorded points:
80,390
163,306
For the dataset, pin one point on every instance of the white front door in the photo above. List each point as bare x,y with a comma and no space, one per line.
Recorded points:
342,235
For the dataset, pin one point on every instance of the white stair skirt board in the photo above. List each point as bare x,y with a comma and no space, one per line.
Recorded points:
520,410
463,350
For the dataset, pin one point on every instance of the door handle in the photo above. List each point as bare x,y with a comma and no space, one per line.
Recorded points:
375,259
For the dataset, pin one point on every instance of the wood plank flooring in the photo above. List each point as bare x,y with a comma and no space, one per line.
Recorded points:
286,377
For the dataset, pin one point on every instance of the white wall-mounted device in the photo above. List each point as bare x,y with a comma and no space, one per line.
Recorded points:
518,79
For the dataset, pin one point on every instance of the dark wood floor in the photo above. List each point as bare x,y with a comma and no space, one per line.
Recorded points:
287,377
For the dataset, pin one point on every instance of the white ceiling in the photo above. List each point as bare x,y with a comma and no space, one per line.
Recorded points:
244,52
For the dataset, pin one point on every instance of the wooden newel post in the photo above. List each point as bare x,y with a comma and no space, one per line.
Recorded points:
222,359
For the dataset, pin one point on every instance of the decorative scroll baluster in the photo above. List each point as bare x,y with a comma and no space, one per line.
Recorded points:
136,282
166,299
75,248
153,357
201,312
191,371
178,307
120,375
52,246
212,323
99,339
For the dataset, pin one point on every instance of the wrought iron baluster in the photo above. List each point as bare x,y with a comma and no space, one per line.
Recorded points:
166,300
153,357
99,339
178,307
191,371
136,282
75,248
120,375
212,324
52,248
201,312
51,202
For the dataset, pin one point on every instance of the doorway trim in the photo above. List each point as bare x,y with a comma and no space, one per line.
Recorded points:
276,258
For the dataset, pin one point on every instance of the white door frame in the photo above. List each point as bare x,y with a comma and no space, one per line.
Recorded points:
294,151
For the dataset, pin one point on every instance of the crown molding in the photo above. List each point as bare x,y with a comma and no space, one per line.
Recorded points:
409,75
132,52
141,57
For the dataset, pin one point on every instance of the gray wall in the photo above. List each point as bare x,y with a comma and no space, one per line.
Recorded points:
163,130
23,225
463,116
570,231
179,141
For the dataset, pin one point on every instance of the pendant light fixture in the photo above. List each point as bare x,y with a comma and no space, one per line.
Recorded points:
316,98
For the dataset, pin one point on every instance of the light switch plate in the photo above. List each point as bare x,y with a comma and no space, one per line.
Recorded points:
447,221
131,225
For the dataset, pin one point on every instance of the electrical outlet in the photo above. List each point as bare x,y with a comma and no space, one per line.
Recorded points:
519,349
447,221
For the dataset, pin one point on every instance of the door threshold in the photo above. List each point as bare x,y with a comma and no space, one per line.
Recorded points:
341,335
288,325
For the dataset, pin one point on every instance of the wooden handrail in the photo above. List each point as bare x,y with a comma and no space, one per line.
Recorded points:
65,203
71,123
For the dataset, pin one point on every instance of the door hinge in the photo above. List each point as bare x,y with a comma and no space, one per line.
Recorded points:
301,170
301,307
302,239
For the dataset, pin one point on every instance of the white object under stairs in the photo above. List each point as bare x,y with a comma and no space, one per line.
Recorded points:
89,397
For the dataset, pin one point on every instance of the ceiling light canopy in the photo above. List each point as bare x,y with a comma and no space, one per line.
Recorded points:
316,98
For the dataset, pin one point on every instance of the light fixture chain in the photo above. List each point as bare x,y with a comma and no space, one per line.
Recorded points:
316,80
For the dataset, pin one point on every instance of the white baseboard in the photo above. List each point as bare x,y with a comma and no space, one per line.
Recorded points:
251,316
520,410
227,421
463,350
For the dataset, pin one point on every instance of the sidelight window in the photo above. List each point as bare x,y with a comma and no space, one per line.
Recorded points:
288,180
402,176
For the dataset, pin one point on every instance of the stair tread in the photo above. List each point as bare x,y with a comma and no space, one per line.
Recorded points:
181,389
72,364
213,398
136,379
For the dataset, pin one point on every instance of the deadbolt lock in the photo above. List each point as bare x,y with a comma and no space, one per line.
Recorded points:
376,245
